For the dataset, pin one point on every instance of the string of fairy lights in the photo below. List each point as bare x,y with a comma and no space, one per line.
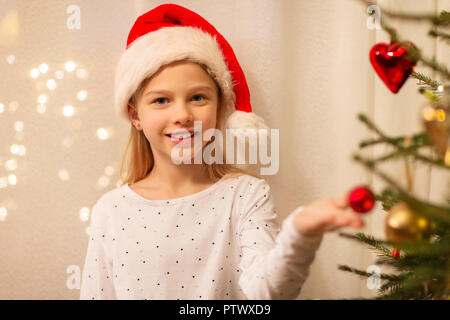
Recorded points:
47,81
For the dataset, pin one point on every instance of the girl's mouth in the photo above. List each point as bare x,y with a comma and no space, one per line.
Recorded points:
181,139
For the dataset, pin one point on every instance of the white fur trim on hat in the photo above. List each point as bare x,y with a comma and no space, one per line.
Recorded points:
241,119
151,51
245,120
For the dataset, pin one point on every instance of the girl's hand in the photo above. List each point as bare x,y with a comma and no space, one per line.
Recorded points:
326,215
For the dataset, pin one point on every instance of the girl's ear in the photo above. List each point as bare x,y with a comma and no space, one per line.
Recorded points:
132,113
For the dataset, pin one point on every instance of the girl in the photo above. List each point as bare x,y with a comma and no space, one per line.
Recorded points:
193,231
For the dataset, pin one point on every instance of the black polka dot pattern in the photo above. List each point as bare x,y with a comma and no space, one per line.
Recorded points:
209,245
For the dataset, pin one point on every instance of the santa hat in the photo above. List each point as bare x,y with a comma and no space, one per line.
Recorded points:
170,33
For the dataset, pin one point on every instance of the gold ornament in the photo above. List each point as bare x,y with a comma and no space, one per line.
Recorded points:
436,120
402,224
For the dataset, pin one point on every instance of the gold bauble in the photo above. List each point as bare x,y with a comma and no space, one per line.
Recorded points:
403,224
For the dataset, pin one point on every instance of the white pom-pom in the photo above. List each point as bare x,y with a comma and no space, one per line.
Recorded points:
245,120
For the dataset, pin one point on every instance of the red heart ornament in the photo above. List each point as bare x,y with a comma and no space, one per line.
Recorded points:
391,64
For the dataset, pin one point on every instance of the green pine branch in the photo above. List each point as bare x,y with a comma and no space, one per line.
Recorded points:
415,286
388,198
369,240
416,141
430,210
404,149
406,285
421,264
406,290
439,34
430,95
365,274
389,282
432,83
390,285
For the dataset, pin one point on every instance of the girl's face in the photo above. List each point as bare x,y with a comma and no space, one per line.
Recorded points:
176,96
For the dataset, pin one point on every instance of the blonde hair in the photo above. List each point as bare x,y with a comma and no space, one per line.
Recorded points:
138,160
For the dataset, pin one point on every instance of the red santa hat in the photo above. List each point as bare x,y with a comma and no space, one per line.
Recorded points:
170,33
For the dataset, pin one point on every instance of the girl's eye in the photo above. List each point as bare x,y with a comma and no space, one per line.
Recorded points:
159,99
199,95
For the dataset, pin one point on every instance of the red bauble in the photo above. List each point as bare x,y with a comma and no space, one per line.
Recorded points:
361,199
391,64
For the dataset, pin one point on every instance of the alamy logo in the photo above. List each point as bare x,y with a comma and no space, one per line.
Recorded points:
74,20
374,281
181,153
373,21
74,280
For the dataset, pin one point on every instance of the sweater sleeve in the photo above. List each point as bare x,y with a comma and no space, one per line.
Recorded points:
97,281
274,263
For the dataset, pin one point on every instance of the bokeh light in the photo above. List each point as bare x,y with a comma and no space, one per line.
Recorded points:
63,174
82,95
51,84
14,148
11,164
34,73
43,68
84,214
12,179
18,149
18,125
42,99
70,66
11,59
68,111
102,134
3,213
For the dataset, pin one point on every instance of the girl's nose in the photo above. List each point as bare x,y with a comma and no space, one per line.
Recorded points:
184,120
183,114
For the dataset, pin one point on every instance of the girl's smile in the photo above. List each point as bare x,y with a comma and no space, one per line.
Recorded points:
182,138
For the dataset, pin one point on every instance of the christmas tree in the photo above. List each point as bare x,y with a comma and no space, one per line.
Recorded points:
417,245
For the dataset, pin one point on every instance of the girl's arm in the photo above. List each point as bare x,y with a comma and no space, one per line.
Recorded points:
275,263
97,279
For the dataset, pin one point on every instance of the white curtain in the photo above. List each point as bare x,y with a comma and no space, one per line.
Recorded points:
307,67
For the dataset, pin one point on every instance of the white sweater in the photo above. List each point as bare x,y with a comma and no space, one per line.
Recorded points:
220,243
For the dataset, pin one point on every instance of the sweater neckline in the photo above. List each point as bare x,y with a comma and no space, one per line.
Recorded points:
168,202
